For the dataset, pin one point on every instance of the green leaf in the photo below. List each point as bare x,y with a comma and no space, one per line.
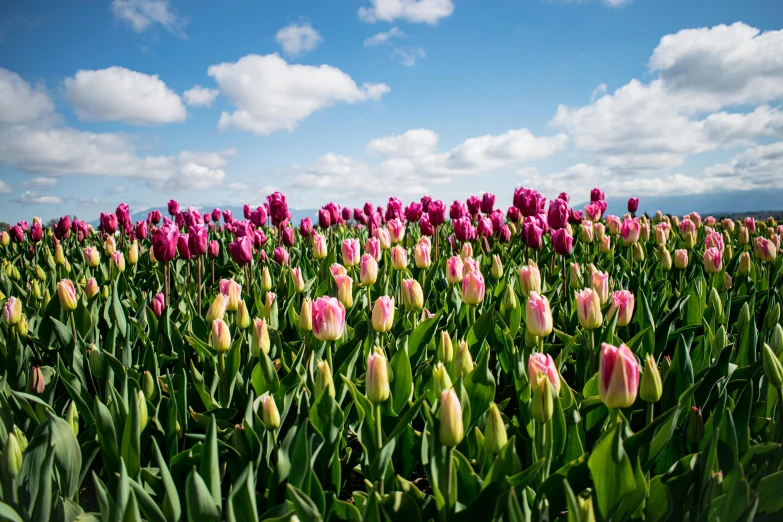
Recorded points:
210,464
611,471
200,505
402,385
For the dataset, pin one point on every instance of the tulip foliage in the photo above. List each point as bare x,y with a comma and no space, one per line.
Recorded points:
544,363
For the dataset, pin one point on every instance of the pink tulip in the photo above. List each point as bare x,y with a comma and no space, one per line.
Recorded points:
623,305
328,318
368,270
538,315
383,237
214,249
765,249
540,364
473,288
319,246
454,269
164,242
158,304
713,260
562,242
630,231
613,225
618,377
173,207
399,258
337,269
599,282
373,247
241,250
529,279
383,314
352,251
281,256
593,212
421,253
396,230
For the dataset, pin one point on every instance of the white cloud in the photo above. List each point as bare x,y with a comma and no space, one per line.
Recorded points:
408,55
756,168
647,127
67,151
41,183
421,11
384,37
33,198
199,96
5,188
616,3
296,40
414,143
271,94
20,103
118,189
119,94
141,14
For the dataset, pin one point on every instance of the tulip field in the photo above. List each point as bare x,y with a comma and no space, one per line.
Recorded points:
416,361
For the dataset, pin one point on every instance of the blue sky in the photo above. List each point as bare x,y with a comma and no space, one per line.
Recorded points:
371,98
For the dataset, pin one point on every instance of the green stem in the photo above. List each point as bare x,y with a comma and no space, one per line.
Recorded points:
222,370
447,496
780,417
591,346
650,413
614,415
379,441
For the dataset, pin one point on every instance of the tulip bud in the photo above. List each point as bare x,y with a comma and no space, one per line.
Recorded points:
473,288
22,326
605,245
542,406
421,253
143,414
776,342
466,251
463,363
36,383
445,348
59,257
575,275
716,303
666,258
148,385
269,413
67,294
133,253
773,316
368,272
12,457
12,311
773,369
744,264
324,380
538,315
221,336
45,299
694,431
412,295
495,435
383,314
681,259
588,308
306,316
40,274
638,252
243,316
377,380
95,358
529,279
266,280
399,258
152,256
72,418
497,267
651,388
92,288
744,236
217,309
510,301
451,426
319,246
744,317
440,379
109,245
259,338
618,376
344,290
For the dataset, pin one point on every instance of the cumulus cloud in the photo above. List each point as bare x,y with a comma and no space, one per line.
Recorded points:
33,198
41,183
705,77
384,37
298,39
21,103
408,55
142,14
5,188
198,96
417,11
758,167
119,94
272,95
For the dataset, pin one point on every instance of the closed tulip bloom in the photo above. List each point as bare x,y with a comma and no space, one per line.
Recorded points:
399,258
681,259
368,271
297,280
466,251
109,246
319,246
605,245
242,320
133,253
281,256
421,253
373,247
396,230
452,430
214,249
266,280
328,318
713,260
463,360
473,288
59,256
618,376
665,258
529,279
324,380
12,458
651,387
454,269
599,281
221,336
164,242
446,348
270,416
744,236
630,231
241,250
92,257
538,315
540,364
306,315
623,304
440,379
495,435
383,237
744,263
233,291
259,338
412,295
344,290
157,304
496,270
12,311
118,261
588,308
67,294
337,270
269,301
633,205
36,384
765,249
352,251
587,232
5,238
92,288
383,314
377,379
562,242
218,308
